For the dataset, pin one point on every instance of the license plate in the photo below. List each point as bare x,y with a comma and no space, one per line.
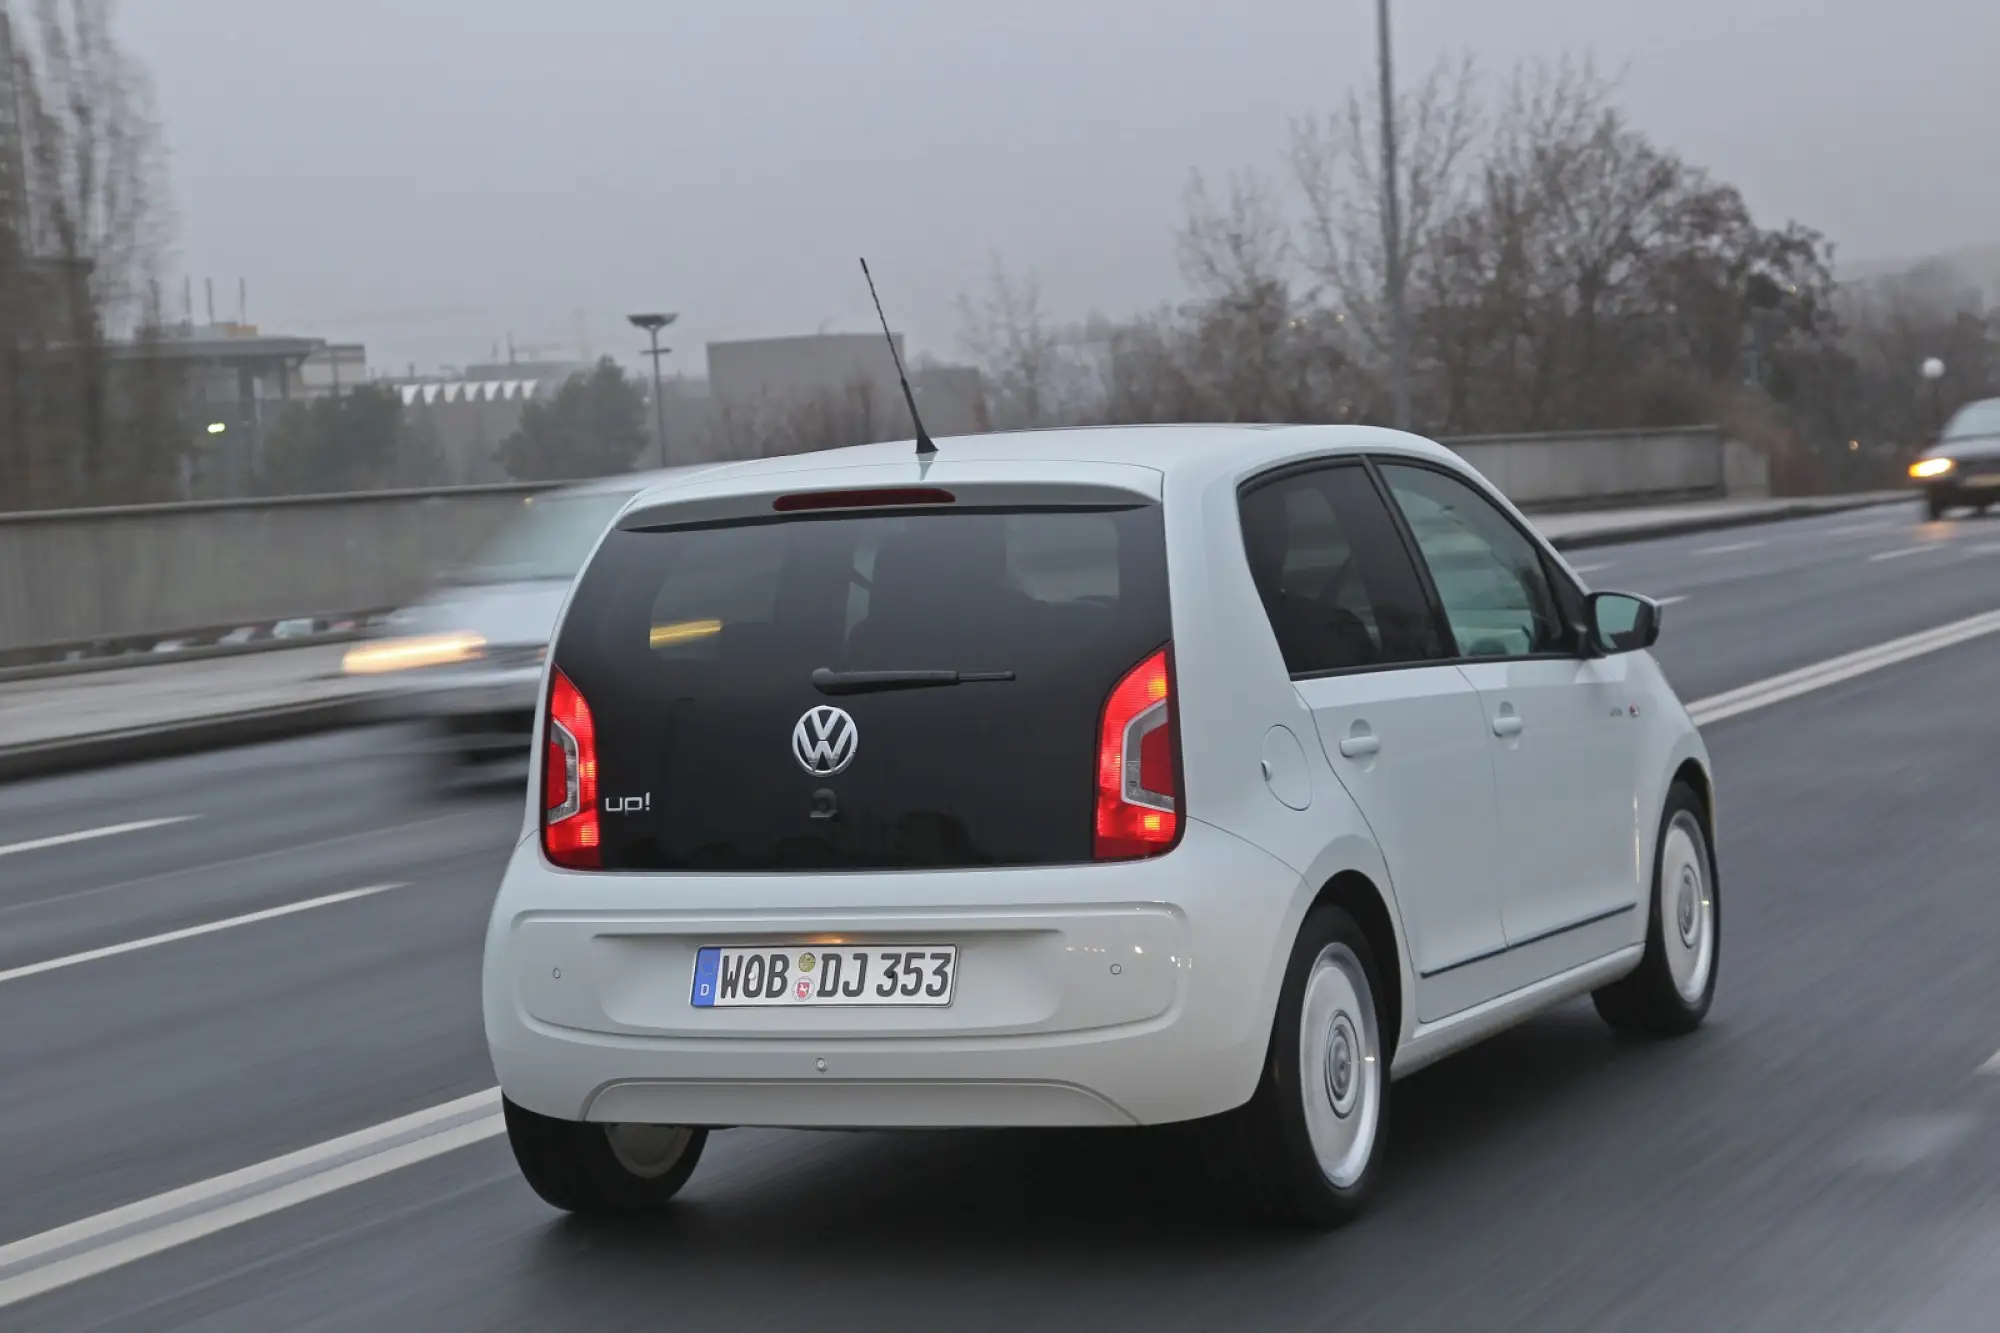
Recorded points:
790,976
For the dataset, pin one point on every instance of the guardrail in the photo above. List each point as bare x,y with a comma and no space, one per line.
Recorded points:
101,583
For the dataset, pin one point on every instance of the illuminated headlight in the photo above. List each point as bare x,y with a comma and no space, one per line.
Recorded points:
1932,467
405,654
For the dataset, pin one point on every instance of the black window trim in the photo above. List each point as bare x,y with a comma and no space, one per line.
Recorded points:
1327,463
1370,462
1559,582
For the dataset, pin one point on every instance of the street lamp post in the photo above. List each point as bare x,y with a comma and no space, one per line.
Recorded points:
1933,372
652,324
1392,227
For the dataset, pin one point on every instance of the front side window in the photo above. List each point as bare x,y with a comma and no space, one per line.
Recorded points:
1489,576
1334,576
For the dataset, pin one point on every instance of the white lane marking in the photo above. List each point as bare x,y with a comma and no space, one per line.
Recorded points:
1588,569
1675,600
1983,548
1764,693
1992,1066
86,835
94,1245
205,867
1729,548
189,932
1902,551
1852,529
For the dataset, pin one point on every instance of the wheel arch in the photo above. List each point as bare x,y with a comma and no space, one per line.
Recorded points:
1357,895
1695,774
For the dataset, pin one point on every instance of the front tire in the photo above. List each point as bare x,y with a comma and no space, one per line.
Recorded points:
598,1170
1304,1150
1670,992
1935,506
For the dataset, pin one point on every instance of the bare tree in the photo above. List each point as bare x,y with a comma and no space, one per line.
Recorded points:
1338,176
1030,376
81,226
797,423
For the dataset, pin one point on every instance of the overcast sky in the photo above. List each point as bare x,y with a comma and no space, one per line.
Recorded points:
429,175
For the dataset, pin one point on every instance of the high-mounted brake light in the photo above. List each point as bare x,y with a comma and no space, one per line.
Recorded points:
570,831
877,498
1138,777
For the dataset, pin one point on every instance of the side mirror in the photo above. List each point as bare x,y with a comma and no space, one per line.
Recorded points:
1621,622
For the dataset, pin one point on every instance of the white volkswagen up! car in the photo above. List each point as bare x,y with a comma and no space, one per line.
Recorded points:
1095,777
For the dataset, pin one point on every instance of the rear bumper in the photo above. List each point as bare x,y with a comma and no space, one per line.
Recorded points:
1087,995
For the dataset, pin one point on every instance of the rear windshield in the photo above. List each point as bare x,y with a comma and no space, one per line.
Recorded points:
548,540
696,648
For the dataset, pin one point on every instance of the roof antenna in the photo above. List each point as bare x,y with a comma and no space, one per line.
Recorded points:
924,445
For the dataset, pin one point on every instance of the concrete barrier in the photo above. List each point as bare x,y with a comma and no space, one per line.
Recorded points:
1602,469
87,578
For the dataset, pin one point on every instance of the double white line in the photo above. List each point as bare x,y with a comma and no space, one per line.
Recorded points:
39,1264
97,1244
1777,689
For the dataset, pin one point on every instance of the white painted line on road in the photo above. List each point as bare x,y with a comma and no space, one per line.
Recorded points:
78,1250
1853,529
1588,569
1674,600
1992,1066
1764,693
1984,548
1902,551
86,835
189,932
1729,548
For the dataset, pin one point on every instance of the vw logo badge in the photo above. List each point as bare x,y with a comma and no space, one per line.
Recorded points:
824,741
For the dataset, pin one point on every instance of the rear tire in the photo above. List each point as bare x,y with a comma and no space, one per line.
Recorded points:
597,1170
1304,1150
1670,992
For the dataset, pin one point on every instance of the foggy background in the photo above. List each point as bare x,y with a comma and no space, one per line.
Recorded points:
432,175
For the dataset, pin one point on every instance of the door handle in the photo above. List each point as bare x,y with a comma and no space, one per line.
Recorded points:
1507,722
1360,747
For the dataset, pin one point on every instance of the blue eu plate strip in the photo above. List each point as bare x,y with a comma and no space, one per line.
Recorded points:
705,963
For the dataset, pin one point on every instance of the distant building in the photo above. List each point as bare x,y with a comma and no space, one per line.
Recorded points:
334,369
472,417
239,381
790,395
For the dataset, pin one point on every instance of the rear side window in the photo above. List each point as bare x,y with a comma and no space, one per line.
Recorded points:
1496,592
696,650
1334,575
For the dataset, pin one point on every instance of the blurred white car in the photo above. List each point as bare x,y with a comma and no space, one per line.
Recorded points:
464,664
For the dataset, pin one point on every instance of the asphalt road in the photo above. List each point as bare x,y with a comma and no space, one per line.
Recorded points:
1824,1155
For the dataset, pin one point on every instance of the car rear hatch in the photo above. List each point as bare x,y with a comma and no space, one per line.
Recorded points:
842,674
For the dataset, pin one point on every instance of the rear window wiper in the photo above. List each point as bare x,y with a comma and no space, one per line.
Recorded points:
828,681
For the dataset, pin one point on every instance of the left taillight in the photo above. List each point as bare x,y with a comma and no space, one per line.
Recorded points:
570,830
1138,769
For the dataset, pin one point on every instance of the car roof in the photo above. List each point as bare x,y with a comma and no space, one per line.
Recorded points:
1167,449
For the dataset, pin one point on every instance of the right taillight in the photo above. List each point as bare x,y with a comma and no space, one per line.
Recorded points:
570,831
1138,776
